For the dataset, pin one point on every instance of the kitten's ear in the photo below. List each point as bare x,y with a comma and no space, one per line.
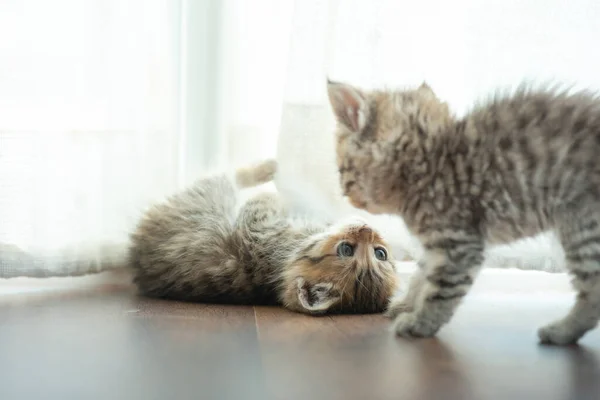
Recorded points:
315,298
425,88
349,105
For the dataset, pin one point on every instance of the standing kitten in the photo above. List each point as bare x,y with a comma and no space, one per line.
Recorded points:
511,168
204,244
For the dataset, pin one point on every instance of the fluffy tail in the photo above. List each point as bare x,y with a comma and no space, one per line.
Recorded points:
76,260
256,174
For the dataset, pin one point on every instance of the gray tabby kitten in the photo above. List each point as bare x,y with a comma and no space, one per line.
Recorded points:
206,244
511,168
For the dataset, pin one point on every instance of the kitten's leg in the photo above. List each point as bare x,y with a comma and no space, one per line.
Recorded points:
581,242
263,209
406,302
449,266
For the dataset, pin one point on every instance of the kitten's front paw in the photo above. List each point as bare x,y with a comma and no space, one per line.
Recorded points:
558,333
398,307
408,325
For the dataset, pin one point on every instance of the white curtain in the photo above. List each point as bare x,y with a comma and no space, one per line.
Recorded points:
88,127
108,105
464,49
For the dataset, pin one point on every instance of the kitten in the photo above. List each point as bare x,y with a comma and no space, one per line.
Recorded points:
205,244
513,167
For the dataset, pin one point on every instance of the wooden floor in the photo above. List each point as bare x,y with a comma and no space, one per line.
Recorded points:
107,343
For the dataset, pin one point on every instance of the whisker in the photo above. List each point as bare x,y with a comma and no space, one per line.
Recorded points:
359,279
363,285
370,298
376,271
345,276
377,287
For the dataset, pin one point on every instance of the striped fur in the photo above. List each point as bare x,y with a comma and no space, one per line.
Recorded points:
515,166
206,244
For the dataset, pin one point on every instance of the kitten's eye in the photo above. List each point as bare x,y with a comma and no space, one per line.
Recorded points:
345,249
380,254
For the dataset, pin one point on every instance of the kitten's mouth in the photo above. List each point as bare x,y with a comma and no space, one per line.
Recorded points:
362,205
374,209
371,208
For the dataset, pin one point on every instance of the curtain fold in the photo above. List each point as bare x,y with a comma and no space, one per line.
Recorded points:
89,133
109,105
464,49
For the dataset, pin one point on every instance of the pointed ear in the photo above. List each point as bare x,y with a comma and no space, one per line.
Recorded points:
349,105
315,298
425,88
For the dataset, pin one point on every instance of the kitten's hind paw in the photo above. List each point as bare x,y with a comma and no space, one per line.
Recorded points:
558,333
396,308
408,325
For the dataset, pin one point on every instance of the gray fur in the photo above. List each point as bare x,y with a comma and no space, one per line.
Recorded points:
206,244
513,167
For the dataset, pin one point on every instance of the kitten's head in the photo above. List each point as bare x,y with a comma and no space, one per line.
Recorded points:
374,129
348,269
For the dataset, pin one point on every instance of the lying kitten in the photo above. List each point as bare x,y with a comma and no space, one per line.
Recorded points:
204,244
511,168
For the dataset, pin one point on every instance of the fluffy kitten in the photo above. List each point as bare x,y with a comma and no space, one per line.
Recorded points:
205,244
515,166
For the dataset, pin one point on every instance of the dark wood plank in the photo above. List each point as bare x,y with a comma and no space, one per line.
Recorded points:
105,342
114,345
331,358
489,351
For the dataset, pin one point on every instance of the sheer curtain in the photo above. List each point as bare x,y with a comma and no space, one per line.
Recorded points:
108,105
463,49
89,104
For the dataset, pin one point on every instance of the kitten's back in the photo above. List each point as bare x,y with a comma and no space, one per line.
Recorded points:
182,248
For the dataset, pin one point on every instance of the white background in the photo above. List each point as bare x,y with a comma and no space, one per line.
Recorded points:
107,105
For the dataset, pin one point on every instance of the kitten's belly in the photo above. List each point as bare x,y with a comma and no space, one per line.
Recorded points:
509,230
302,223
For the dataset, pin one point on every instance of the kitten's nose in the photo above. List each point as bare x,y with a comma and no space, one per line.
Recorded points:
365,236
366,233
